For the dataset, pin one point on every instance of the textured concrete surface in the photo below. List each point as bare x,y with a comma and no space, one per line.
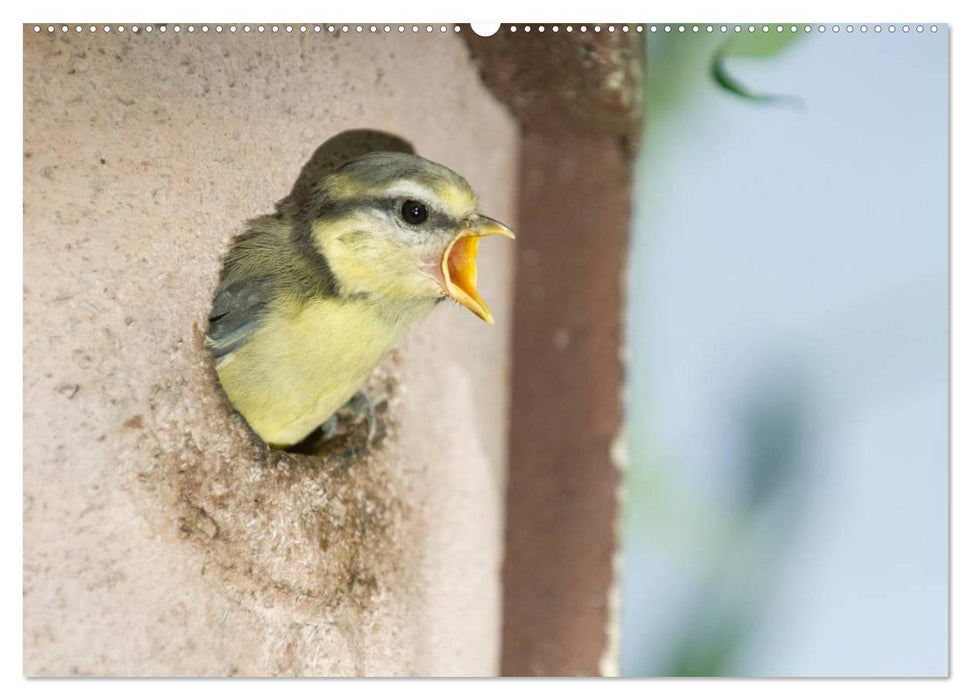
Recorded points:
159,538
578,97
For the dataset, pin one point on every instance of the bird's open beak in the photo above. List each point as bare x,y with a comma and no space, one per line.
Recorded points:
458,264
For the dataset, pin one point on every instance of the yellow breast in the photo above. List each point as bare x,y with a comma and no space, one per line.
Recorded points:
306,361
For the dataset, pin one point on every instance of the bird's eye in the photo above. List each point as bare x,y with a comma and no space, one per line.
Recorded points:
414,212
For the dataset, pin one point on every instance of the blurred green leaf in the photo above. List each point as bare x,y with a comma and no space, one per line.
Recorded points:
753,45
772,426
709,646
756,45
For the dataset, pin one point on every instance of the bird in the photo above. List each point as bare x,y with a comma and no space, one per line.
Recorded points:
311,298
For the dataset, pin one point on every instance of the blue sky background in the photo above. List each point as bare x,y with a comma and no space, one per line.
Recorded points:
788,437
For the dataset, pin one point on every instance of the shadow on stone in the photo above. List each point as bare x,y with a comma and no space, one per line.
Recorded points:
338,150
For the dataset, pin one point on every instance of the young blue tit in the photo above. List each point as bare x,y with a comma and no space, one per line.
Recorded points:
311,298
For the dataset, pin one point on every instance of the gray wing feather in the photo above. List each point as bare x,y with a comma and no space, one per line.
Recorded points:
236,314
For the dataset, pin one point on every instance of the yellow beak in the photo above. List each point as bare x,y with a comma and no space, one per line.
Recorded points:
458,264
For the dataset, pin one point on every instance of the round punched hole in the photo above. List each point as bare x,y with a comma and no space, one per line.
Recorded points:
485,28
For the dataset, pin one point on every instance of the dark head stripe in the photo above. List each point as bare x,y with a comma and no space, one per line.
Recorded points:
329,211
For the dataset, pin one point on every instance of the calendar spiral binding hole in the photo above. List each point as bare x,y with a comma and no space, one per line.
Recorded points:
311,28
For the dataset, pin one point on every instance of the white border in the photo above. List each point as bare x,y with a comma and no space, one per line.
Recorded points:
829,11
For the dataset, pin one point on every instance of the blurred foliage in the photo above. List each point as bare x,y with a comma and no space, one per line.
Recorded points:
735,559
769,471
754,45
757,44
680,64
735,548
772,426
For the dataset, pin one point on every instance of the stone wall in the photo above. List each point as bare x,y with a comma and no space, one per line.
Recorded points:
159,537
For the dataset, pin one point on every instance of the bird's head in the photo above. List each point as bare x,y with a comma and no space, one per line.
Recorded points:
397,227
